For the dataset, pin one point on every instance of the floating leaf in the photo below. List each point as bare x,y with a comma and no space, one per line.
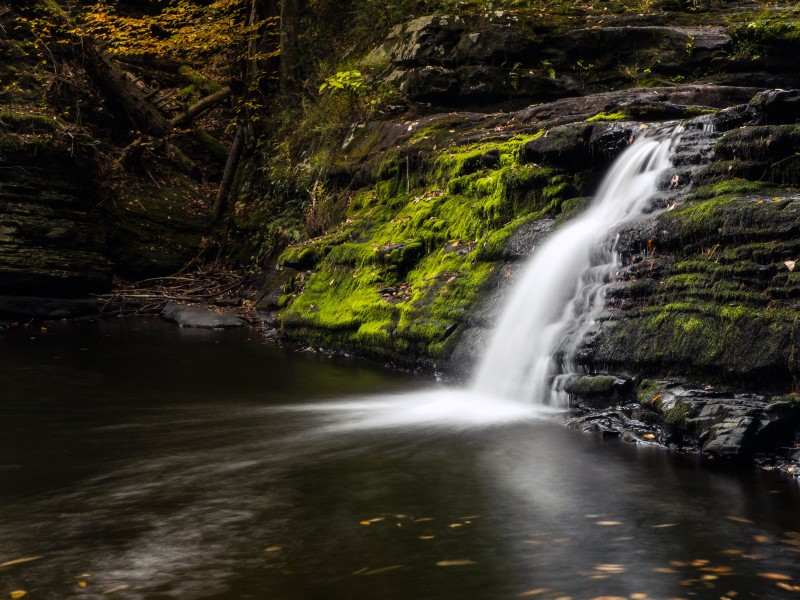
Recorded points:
775,576
788,587
455,563
718,570
82,584
19,561
365,523
454,525
534,592
273,549
114,590
761,539
427,537
381,570
790,264
737,519
700,562
18,594
608,523
649,436
610,568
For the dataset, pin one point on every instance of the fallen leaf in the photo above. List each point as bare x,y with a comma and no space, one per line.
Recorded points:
709,577
19,561
455,563
790,264
736,519
788,587
273,549
718,570
775,576
427,537
761,539
732,551
365,523
610,568
608,523
649,436
455,525
664,570
18,593
381,570
700,562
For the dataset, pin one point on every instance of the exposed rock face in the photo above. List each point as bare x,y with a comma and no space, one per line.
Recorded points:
500,57
50,243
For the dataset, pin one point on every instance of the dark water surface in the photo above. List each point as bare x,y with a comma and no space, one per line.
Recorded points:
139,460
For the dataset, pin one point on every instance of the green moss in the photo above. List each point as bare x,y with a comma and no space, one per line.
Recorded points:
648,392
608,116
678,414
401,272
27,122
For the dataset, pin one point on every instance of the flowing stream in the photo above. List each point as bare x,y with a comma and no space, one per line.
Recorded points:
141,461
561,290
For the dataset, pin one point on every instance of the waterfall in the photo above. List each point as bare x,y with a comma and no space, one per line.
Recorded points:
561,290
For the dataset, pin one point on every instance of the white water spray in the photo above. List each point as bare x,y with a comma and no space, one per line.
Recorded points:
561,290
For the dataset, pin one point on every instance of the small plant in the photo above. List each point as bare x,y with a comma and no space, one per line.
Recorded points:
548,66
514,76
351,82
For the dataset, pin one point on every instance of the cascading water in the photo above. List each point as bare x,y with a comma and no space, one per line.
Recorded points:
561,290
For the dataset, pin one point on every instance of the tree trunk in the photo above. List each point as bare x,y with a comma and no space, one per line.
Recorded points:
227,176
290,60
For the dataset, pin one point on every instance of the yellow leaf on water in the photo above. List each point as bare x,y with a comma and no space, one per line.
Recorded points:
709,577
788,587
608,523
732,551
273,549
609,568
775,576
649,436
119,588
365,523
18,594
534,592
19,561
455,525
700,562
82,584
639,596
718,570
455,563
738,519
761,539
381,570
427,537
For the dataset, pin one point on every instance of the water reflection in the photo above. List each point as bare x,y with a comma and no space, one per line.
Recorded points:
153,466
